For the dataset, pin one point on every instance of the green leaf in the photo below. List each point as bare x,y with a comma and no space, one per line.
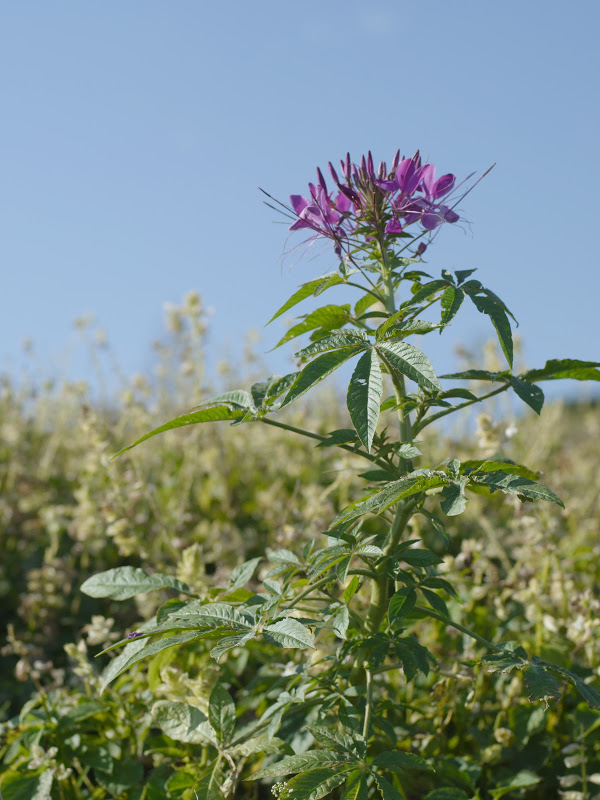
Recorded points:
317,370
297,763
410,484
401,604
357,789
351,589
589,694
124,582
436,602
540,684
229,642
315,784
451,301
288,633
324,319
515,484
238,397
182,722
122,776
520,781
306,290
410,361
214,414
463,274
398,760
498,464
388,792
446,793
334,341
528,392
426,291
364,394
453,500
476,375
331,737
339,622
150,649
16,786
338,437
259,744
243,573
214,615
500,322
221,713
559,368
420,558
210,783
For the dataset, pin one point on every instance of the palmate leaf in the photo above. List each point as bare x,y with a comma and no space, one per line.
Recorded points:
318,369
364,395
122,583
410,361
306,290
214,414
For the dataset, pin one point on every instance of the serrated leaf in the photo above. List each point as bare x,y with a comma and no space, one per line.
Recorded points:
528,392
214,414
124,582
334,341
560,368
259,744
515,484
306,290
243,573
318,369
150,649
214,615
589,694
182,722
540,684
500,322
426,291
451,301
339,437
398,760
288,633
229,642
388,495
237,397
436,602
325,319
339,622
221,713
410,361
297,763
401,604
315,784
330,737
497,464
388,792
407,450
364,395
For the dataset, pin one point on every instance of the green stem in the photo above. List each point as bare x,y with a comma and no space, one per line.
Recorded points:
424,423
429,613
306,592
321,438
368,705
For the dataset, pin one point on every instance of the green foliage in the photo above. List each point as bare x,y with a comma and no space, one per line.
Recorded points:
301,619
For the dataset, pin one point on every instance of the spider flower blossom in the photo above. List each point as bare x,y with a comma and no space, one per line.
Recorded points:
406,194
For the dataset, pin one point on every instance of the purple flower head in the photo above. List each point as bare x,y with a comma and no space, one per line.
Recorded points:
384,201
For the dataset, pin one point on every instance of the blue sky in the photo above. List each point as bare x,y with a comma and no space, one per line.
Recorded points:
135,134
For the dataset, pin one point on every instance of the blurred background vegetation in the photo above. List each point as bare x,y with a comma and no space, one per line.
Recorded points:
198,501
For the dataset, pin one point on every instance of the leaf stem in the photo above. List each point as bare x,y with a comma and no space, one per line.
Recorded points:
368,705
424,423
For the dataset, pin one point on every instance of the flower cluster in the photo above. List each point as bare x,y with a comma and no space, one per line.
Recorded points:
385,202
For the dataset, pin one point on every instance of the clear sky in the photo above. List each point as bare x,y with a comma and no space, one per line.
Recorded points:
135,133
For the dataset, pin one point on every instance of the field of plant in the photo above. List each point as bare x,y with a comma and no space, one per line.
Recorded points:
196,503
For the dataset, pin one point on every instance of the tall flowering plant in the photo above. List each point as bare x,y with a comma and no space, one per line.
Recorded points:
348,610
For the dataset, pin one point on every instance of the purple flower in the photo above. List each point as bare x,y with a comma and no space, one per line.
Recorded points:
386,202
